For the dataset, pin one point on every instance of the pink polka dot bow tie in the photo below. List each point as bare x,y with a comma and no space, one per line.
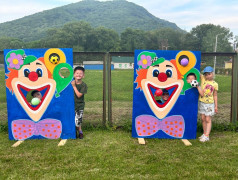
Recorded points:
49,128
147,125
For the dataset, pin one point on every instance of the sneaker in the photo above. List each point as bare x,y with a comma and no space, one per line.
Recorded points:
80,135
204,139
201,136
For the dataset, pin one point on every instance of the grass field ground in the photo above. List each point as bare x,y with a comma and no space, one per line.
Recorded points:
115,155
112,153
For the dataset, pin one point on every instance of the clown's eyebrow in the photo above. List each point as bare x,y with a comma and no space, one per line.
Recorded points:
156,65
38,64
169,66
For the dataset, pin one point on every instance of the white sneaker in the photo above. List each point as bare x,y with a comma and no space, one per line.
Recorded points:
204,139
201,136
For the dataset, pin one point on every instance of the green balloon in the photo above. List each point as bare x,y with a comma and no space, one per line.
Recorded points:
61,82
35,101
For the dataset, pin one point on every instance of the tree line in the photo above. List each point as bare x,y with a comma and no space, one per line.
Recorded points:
81,36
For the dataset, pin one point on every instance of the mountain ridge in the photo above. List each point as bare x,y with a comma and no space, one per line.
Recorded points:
117,15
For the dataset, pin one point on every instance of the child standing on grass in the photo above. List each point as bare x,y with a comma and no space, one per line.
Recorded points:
207,105
80,88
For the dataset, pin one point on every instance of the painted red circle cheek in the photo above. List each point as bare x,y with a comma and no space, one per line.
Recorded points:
33,76
162,77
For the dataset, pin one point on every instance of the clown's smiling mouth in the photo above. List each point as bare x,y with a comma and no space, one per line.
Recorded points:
172,89
42,89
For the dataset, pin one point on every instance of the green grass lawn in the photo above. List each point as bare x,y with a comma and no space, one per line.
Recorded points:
116,155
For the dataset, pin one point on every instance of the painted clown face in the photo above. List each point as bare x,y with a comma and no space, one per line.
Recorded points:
162,76
34,76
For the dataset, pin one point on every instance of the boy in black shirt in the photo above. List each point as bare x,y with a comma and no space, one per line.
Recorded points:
80,88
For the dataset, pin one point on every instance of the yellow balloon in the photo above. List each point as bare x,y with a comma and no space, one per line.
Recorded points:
53,57
185,60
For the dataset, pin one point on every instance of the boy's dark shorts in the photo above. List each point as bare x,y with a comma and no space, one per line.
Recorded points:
78,117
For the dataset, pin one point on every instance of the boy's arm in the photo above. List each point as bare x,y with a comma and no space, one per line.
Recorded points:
215,100
78,94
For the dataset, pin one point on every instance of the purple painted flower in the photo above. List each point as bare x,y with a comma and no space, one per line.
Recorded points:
15,61
145,61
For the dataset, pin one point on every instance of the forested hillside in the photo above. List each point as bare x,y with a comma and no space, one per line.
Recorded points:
116,15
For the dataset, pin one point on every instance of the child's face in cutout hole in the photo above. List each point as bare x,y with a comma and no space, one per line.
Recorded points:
37,95
165,96
190,78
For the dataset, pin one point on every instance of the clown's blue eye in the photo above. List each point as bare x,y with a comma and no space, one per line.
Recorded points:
155,73
169,73
39,72
26,72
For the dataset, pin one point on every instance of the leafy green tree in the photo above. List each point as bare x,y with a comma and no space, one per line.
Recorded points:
102,39
77,34
132,39
235,43
165,38
206,35
70,35
189,42
11,43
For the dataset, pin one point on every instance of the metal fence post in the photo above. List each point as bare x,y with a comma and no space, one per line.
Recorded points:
234,95
104,89
109,89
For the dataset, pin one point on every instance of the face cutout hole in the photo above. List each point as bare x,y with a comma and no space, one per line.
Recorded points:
33,94
183,60
64,72
165,94
191,77
54,58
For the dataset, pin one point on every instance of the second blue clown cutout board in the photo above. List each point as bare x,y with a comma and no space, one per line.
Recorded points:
31,72
165,105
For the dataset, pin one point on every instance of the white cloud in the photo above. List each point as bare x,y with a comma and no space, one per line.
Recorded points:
190,13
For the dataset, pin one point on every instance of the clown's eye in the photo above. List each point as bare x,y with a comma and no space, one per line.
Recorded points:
155,73
169,73
26,72
39,72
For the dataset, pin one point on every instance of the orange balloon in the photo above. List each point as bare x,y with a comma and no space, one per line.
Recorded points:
188,56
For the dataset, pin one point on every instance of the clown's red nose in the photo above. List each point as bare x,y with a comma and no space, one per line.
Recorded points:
162,77
33,76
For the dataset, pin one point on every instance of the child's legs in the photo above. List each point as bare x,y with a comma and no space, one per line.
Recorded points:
78,119
204,123
79,128
208,125
206,111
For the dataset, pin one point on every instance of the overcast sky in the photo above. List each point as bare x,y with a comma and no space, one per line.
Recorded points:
185,13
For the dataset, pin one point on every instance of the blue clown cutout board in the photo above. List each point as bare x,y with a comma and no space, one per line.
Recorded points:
35,74
164,102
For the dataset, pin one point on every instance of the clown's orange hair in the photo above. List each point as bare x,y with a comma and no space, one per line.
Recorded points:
49,73
13,73
174,63
141,74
